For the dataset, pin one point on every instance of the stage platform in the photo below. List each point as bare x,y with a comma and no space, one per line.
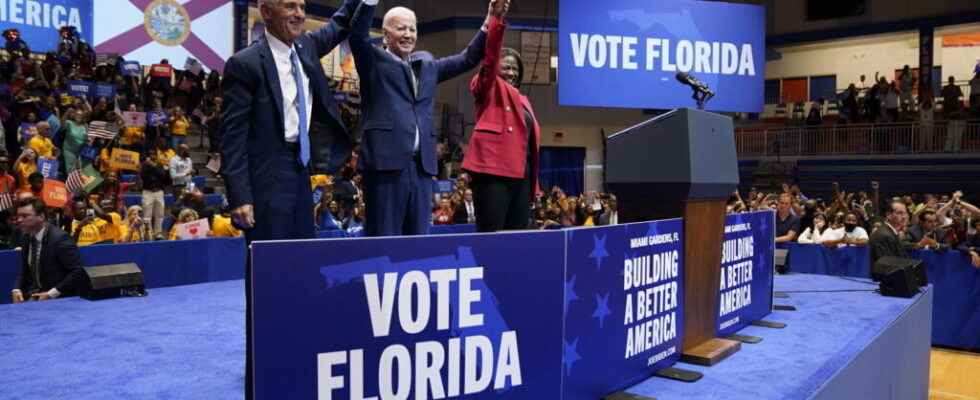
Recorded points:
188,343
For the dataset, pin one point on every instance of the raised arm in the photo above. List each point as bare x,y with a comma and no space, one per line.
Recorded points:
339,27
360,39
490,66
455,65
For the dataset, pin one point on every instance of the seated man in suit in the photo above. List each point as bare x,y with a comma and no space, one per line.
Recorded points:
51,265
889,240
398,91
927,234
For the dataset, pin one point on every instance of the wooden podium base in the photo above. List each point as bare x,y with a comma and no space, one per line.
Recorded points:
710,352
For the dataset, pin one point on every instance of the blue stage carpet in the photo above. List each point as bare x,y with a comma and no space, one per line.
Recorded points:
188,343
184,342
829,330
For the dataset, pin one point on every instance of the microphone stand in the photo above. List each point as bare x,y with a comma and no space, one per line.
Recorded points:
701,96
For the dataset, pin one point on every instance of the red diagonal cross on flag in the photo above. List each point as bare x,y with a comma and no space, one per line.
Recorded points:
137,36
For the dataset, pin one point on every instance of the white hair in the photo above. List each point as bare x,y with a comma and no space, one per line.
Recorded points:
397,12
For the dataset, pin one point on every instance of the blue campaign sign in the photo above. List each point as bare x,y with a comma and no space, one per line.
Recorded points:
130,68
105,90
389,317
82,89
47,167
624,300
39,20
625,53
157,118
747,269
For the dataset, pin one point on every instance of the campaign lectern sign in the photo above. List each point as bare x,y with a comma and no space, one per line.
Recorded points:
624,296
458,316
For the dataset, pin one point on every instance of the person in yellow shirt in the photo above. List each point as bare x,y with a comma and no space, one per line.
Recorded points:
163,153
178,126
41,143
186,215
135,231
115,229
105,167
24,167
132,137
320,180
221,227
87,228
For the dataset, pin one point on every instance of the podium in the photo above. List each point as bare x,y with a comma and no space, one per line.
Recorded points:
682,164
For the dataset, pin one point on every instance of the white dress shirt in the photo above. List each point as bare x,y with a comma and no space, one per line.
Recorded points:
290,96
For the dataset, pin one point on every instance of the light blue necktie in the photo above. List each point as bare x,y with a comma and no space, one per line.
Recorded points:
304,137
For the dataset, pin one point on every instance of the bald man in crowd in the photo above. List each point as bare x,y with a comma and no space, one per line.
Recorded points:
398,89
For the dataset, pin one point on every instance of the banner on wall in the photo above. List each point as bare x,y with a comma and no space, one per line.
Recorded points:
624,297
747,270
39,20
452,316
619,52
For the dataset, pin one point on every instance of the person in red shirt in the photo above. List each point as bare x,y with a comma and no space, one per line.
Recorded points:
444,214
7,182
502,155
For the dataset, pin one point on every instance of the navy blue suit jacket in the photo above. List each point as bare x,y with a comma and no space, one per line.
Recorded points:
61,264
252,128
390,108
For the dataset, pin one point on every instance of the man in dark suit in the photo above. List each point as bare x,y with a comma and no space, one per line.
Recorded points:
398,88
466,211
927,234
51,265
279,121
889,239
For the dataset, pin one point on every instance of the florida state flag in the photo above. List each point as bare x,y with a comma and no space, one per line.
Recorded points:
151,30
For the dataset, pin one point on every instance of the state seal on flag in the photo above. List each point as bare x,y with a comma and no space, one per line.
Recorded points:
167,22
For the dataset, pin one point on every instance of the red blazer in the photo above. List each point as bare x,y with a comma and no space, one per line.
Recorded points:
499,142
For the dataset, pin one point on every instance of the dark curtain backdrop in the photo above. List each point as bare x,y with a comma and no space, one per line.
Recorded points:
563,166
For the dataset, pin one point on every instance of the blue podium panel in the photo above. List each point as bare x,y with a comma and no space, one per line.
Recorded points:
745,293
624,295
474,316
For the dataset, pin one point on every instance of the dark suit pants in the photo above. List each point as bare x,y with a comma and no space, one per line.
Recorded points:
501,203
289,215
398,202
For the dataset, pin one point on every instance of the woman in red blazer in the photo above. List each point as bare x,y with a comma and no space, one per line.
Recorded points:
502,155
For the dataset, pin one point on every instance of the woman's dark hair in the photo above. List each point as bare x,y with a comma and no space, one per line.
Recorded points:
507,51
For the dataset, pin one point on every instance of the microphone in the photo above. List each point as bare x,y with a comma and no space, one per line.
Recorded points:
685,78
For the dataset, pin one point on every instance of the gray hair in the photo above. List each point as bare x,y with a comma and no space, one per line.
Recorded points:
396,12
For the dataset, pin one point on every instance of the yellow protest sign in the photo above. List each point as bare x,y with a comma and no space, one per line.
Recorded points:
124,159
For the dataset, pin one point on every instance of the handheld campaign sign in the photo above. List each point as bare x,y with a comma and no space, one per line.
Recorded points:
48,167
746,270
625,53
124,159
81,89
453,316
624,296
105,90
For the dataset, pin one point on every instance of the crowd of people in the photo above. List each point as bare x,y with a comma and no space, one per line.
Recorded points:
67,112
897,101
938,222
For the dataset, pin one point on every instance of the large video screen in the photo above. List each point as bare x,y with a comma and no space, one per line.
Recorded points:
626,53
151,30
